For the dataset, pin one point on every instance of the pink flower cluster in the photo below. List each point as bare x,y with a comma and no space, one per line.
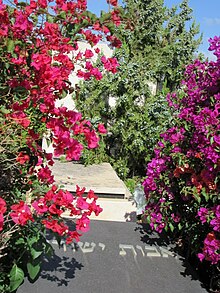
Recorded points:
50,69
182,180
41,52
215,222
21,213
203,214
51,206
210,249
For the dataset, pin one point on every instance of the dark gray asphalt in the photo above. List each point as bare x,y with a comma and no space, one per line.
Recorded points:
114,257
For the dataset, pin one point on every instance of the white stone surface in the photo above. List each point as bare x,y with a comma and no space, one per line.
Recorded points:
117,210
101,178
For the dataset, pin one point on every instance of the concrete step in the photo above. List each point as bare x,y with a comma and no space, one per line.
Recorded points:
116,210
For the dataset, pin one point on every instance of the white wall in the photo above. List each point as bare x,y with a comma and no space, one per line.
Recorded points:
104,48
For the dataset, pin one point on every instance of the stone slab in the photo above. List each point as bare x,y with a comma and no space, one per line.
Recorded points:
101,178
115,257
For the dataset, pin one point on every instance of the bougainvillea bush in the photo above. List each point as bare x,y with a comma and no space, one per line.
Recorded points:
182,185
38,52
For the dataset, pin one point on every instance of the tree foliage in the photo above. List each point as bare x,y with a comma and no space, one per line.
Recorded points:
157,43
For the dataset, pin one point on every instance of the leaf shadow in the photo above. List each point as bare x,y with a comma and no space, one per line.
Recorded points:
60,269
153,238
130,217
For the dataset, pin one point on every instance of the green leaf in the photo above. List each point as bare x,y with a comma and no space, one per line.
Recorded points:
4,110
64,94
10,46
16,277
206,195
34,17
32,240
22,4
85,22
50,18
48,249
197,197
62,14
33,270
35,253
104,16
148,219
90,15
171,227
180,226
20,241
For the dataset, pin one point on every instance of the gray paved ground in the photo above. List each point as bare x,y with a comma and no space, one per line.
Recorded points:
115,257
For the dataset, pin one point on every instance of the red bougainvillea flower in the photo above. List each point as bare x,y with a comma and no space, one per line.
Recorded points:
92,139
115,16
2,206
55,226
21,118
91,195
3,209
101,128
45,175
73,235
82,204
215,223
211,246
80,191
22,158
110,64
82,224
55,210
113,2
63,198
93,207
21,213
40,206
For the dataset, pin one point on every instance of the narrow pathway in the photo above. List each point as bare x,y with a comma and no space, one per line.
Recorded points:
116,255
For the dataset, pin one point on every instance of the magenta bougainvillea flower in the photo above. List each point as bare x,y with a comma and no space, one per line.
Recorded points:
182,182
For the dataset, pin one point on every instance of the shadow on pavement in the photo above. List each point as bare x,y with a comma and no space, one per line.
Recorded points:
60,269
152,238
130,217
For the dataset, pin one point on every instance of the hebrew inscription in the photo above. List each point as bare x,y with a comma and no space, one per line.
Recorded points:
141,249
102,246
124,249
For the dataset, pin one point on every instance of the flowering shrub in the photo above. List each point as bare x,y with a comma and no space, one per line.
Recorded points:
182,183
39,50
